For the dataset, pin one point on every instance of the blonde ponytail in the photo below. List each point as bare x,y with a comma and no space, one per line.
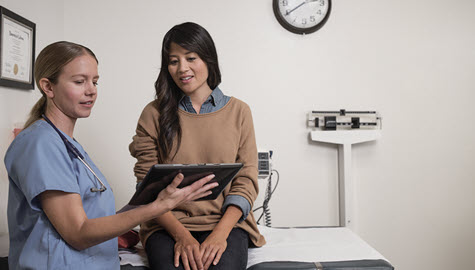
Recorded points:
36,111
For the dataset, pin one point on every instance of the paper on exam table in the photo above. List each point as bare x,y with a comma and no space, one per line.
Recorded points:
311,245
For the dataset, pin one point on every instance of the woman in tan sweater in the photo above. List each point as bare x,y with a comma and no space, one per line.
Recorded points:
192,121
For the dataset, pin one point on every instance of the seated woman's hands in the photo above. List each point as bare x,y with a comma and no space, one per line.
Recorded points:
197,257
212,249
188,248
200,257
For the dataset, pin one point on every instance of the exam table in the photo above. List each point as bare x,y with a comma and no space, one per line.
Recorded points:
313,248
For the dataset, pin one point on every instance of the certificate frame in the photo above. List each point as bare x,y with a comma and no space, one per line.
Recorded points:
17,50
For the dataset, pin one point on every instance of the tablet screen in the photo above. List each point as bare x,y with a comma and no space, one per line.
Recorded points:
161,175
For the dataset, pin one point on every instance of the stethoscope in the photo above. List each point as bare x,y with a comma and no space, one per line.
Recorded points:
71,148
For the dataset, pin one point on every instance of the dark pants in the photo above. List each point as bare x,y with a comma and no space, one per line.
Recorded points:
3,263
160,248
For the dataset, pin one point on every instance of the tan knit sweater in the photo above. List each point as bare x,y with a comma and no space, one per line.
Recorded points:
224,136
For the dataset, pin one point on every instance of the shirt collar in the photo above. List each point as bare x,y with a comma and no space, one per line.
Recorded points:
216,96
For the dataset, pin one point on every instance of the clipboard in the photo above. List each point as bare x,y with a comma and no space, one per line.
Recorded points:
161,175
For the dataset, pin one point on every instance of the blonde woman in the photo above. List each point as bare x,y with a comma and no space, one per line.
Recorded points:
61,210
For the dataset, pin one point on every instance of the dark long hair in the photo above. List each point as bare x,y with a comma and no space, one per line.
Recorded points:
49,64
193,38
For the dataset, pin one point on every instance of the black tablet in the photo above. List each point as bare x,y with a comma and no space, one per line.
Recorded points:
161,175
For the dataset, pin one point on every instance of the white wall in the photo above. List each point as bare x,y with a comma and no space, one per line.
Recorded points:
15,104
411,60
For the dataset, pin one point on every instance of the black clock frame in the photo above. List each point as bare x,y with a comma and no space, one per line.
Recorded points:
297,30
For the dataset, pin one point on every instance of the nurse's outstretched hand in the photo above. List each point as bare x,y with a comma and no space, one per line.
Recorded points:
172,196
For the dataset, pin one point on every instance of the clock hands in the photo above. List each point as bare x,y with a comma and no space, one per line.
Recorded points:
292,10
301,4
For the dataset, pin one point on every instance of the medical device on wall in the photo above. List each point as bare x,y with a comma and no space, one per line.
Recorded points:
264,167
345,128
264,163
343,119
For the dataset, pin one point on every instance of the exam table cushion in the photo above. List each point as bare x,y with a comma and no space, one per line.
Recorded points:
311,245
343,265
300,248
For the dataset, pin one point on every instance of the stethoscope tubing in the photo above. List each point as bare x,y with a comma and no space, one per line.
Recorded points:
71,148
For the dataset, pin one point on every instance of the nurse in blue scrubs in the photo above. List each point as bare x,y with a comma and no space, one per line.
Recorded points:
61,210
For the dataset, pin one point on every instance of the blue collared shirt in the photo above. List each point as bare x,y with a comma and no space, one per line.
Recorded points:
214,102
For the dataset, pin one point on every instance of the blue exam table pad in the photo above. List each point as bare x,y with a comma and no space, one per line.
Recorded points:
313,248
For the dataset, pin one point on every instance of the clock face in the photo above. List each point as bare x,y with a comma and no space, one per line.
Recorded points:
302,16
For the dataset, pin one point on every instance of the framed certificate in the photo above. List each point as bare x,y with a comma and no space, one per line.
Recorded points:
17,50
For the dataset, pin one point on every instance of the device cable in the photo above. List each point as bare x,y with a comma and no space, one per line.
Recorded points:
268,195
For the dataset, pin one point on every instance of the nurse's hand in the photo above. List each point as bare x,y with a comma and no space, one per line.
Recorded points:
66,212
172,196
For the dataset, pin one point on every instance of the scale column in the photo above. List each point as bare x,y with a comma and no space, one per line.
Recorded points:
345,139
346,187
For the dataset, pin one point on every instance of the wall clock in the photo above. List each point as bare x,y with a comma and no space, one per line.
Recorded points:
302,16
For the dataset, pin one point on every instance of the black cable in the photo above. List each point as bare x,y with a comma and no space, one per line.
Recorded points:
266,209
265,205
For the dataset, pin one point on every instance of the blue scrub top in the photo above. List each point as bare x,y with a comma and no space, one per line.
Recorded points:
36,161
